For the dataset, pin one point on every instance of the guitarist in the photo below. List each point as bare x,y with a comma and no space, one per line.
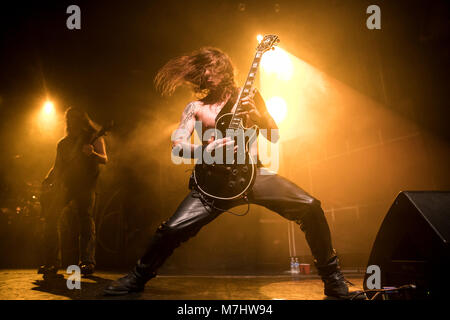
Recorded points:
209,72
73,179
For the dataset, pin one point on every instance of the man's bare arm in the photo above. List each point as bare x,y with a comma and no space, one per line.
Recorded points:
97,150
181,139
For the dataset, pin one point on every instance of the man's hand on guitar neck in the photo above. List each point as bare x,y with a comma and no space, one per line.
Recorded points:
97,150
88,149
254,106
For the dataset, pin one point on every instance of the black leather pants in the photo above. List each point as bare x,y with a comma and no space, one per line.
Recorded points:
271,191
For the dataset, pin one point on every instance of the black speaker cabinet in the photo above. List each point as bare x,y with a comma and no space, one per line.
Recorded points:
412,245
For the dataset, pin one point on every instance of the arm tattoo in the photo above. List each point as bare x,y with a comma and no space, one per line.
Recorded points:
188,113
181,145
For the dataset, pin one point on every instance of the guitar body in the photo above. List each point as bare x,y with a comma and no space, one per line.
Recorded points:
230,179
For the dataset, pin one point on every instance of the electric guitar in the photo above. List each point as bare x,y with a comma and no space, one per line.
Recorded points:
233,176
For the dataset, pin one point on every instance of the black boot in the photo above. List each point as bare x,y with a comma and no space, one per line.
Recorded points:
134,281
49,271
87,268
335,283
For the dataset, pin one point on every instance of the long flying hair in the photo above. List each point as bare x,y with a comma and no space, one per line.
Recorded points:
208,71
81,119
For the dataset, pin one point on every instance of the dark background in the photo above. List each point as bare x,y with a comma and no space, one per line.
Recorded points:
108,67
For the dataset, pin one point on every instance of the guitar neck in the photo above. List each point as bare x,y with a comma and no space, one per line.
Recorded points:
246,90
102,132
95,137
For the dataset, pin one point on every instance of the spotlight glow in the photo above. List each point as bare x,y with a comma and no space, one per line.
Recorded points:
46,122
277,108
48,108
300,86
47,117
278,62
259,37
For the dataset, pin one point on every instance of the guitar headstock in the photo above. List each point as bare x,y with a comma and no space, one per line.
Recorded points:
268,42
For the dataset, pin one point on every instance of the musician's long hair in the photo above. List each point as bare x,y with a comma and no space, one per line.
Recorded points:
87,126
208,71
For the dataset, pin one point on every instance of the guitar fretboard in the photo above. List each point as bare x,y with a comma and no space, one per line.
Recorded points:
245,91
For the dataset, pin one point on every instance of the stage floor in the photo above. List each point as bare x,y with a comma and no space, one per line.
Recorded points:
25,284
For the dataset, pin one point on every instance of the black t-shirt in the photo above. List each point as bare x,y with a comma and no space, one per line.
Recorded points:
78,170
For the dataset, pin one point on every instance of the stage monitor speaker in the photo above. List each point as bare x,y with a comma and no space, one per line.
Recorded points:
412,245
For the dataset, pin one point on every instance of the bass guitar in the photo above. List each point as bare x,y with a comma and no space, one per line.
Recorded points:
51,191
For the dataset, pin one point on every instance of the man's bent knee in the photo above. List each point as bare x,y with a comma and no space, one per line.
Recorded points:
170,232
